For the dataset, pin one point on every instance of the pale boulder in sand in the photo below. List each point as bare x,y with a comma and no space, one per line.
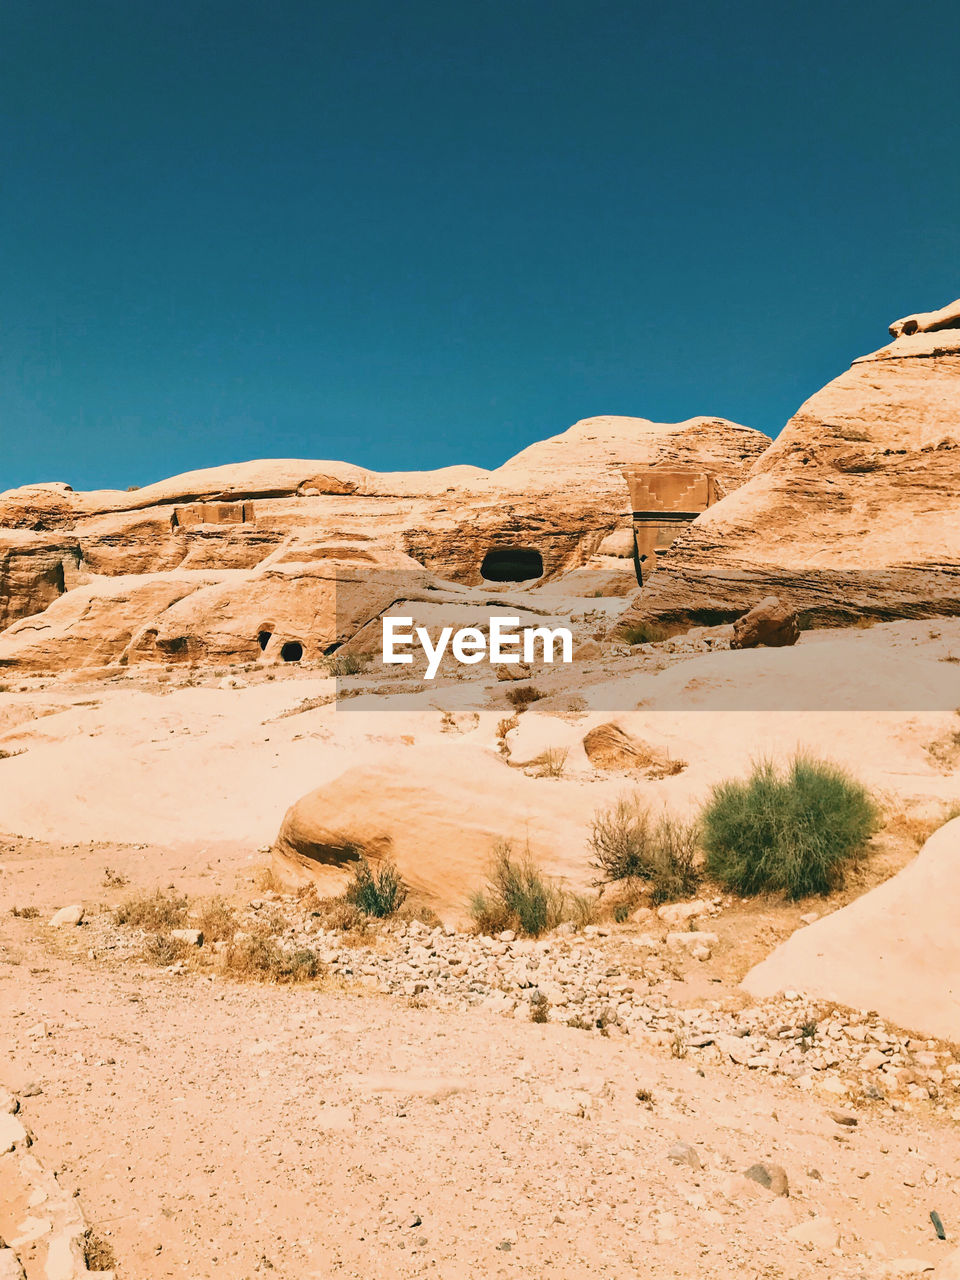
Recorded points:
442,839
895,950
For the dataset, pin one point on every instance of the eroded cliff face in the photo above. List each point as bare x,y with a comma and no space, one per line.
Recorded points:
853,511
203,566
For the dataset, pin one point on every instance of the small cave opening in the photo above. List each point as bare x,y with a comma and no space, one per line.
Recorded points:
292,651
263,639
512,564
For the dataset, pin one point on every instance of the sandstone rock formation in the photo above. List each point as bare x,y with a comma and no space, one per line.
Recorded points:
609,746
851,512
767,623
663,502
286,559
895,950
441,837
947,317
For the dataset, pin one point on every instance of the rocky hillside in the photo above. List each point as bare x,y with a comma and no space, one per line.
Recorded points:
853,510
220,564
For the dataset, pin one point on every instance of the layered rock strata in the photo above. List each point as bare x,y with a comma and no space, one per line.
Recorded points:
286,559
853,511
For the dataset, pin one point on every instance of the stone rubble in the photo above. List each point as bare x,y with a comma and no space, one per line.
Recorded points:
54,1231
609,980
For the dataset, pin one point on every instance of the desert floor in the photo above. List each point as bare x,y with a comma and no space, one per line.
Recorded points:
219,1129
213,1128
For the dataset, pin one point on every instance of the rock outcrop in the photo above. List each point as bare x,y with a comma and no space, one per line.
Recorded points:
947,317
442,839
768,623
286,559
851,512
895,950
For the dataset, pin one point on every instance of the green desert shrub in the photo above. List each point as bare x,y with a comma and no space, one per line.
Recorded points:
791,831
516,896
376,893
629,843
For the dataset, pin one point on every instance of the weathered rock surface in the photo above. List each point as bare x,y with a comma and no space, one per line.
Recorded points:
50,1238
609,746
72,915
773,1177
218,565
947,317
768,623
439,837
851,512
896,949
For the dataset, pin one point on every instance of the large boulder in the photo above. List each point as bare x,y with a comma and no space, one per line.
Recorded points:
768,623
895,950
441,837
611,748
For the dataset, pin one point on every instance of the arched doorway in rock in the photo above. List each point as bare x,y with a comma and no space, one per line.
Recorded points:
291,651
263,638
512,564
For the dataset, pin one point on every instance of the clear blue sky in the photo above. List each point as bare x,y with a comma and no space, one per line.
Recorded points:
409,234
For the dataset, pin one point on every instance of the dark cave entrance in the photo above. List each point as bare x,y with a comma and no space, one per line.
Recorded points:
292,651
512,564
263,639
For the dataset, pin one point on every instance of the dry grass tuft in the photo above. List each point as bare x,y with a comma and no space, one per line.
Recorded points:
267,880
540,1008
259,957
345,664
157,911
628,843
163,950
503,729
98,1253
216,920
552,763
420,912
337,913
945,751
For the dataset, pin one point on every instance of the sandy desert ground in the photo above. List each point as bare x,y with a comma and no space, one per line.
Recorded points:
403,1115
